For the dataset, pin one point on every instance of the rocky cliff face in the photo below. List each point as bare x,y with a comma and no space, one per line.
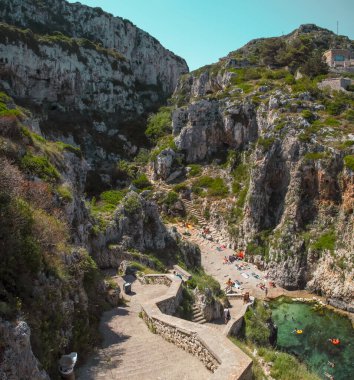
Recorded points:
89,77
279,152
151,64
136,225
17,359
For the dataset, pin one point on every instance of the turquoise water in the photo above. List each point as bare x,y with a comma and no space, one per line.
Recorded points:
312,346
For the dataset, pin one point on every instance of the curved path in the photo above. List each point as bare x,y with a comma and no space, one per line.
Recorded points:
131,352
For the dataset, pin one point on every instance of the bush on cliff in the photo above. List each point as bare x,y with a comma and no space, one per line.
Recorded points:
159,124
256,324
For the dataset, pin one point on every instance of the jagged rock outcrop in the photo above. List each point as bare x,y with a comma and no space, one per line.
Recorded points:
204,127
137,225
163,164
17,360
90,78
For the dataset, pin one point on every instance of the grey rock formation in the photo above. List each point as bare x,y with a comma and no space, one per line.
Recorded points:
17,358
137,225
163,164
150,62
204,127
90,78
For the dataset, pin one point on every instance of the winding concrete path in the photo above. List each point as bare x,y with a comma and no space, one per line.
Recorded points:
131,352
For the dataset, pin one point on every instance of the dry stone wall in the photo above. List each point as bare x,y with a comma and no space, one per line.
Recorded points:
219,355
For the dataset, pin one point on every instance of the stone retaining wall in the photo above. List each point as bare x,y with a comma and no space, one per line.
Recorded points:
219,355
186,340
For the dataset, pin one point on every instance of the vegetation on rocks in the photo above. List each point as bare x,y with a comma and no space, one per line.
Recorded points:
159,124
208,186
281,365
257,320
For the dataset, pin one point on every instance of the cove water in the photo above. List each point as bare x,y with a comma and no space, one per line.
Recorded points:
312,346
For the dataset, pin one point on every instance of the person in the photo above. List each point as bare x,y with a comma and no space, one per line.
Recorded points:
227,315
266,291
246,297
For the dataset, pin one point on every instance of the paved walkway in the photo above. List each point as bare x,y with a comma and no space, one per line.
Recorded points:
131,352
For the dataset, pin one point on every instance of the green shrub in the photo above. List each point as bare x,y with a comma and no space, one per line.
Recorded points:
40,166
185,308
180,187
336,106
332,122
308,115
265,143
126,169
142,182
171,198
316,155
107,203
350,115
256,327
142,157
12,112
159,124
325,241
131,203
203,281
349,162
64,190
163,143
285,366
306,84
195,170
113,197
68,147
214,186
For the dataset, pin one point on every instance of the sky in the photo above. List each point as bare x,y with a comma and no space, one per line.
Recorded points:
202,31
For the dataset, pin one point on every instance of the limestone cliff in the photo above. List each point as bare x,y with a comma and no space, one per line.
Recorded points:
89,78
268,160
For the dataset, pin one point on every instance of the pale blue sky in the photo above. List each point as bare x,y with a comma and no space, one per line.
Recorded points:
202,31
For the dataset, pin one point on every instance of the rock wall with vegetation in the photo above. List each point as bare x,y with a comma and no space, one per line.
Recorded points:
47,277
89,78
267,158
53,241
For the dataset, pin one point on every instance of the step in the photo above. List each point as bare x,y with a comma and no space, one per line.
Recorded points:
199,320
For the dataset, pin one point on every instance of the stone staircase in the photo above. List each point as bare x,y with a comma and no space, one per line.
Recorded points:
198,317
192,210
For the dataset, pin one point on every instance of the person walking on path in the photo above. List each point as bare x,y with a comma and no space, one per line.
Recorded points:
227,315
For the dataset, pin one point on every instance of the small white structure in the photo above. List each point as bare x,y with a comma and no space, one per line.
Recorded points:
66,366
336,84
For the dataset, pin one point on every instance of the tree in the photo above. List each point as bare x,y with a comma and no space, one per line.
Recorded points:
314,65
270,50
